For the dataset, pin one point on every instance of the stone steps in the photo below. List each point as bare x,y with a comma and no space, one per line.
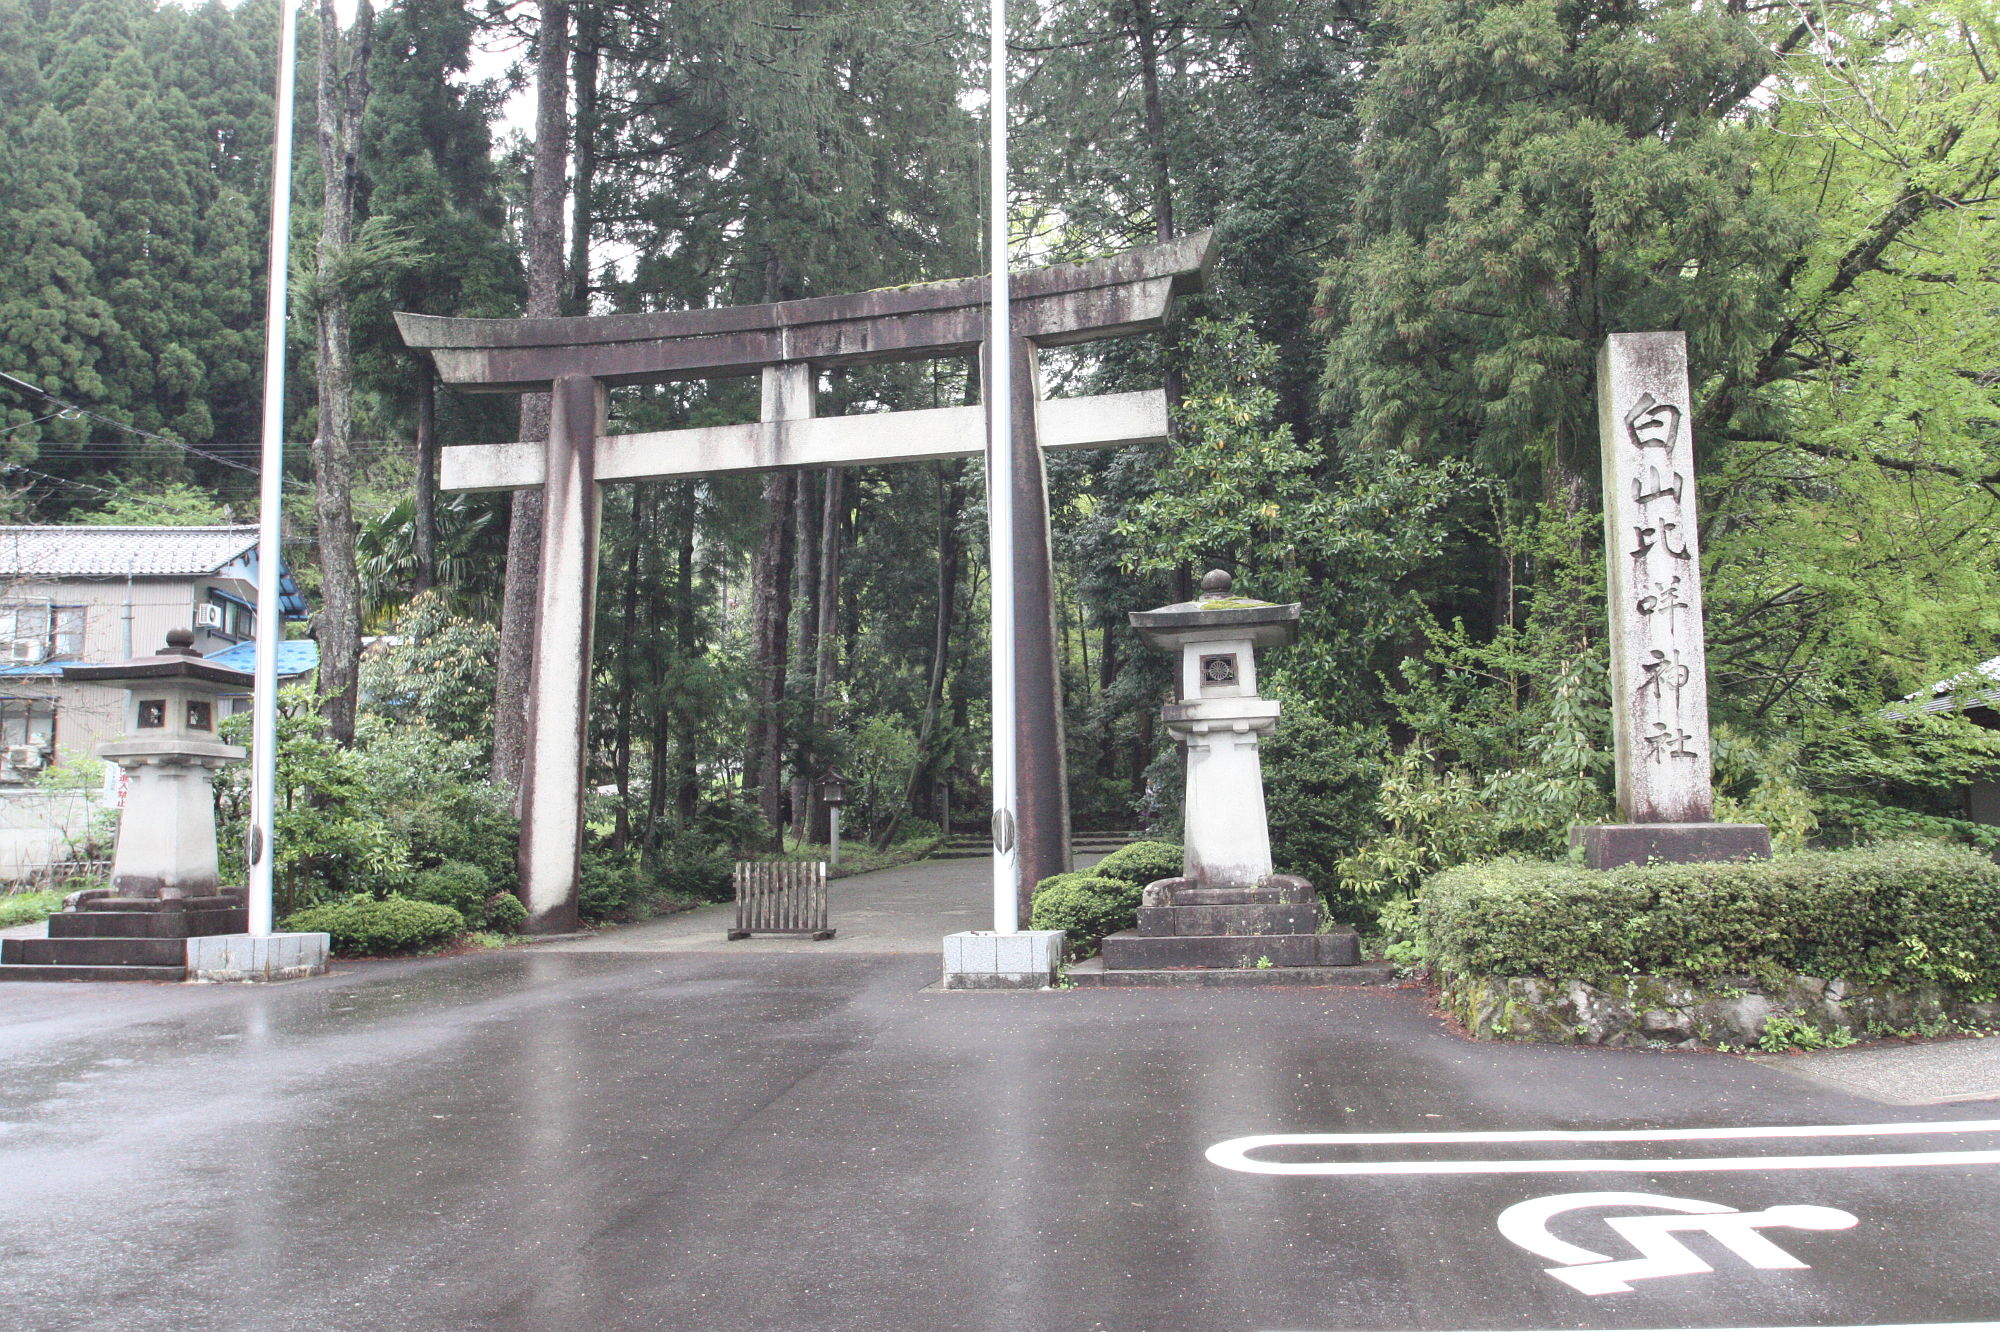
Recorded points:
64,973
1250,918
1093,975
1295,893
122,939
146,924
1129,950
97,952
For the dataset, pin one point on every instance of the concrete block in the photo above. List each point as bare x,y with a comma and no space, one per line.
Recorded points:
983,960
253,957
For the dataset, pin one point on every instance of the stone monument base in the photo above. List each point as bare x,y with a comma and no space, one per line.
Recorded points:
1608,845
986,960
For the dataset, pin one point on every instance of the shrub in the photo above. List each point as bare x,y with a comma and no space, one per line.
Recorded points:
1910,913
611,883
462,887
27,908
505,913
1086,907
362,925
685,867
1139,864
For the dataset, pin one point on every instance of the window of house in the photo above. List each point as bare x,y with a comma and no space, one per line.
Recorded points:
233,617
66,636
58,629
27,721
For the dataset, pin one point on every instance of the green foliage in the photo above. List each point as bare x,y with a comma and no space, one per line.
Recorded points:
505,913
366,819
1784,1032
436,673
173,505
1322,780
27,908
688,868
611,884
1086,907
363,926
1913,913
462,887
1141,863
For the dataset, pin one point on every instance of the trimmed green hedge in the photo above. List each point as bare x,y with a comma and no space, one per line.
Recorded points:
1086,907
362,926
1913,913
1141,863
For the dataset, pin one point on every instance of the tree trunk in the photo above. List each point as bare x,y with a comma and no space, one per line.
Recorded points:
343,98
770,623
628,667
687,782
545,272
951,500
1147,38
826,630
423,503
804,649
589,38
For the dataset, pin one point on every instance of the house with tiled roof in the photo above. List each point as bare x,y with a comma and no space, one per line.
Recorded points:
76,595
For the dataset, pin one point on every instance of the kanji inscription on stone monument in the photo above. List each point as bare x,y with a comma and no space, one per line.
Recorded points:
1659,679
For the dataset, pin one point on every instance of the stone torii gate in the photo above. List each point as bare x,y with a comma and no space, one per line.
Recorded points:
577,359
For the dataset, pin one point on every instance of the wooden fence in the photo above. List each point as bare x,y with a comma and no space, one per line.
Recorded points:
781,897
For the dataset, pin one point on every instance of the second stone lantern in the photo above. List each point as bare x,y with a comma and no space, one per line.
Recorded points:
1228,910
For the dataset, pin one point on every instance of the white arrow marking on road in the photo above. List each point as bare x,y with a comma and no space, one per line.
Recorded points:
1235,1154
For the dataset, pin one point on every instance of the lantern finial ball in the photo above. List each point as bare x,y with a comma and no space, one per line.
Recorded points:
1216,583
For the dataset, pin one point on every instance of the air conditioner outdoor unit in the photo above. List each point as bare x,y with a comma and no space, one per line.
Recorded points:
208,617
29,650
24,756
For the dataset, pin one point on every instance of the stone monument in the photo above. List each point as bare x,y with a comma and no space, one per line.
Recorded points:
166,915
1228,910
1659,677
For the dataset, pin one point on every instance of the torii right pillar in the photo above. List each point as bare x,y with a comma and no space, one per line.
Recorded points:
1659,670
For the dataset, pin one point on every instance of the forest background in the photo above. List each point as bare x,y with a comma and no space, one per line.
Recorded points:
1428,212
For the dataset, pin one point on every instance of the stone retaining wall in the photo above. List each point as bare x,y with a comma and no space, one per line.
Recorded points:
1648,1012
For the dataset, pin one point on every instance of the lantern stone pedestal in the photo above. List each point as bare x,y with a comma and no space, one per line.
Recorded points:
1228,912
165,911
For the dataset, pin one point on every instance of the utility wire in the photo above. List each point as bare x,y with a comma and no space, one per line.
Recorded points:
24,385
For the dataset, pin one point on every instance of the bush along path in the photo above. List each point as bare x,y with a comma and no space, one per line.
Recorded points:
1804,951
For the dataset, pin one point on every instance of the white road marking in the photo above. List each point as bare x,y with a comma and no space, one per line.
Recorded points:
1808,1327
1235,1154
1653,1237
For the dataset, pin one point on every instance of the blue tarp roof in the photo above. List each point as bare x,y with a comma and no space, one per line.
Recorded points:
296,656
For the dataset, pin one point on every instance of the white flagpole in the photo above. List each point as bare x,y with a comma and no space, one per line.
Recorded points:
270,613
1000,495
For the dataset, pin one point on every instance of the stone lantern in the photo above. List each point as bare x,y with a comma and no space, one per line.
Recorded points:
1228,911
1221,719
165,916
174,699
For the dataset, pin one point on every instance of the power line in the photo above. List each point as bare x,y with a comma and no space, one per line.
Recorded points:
23,384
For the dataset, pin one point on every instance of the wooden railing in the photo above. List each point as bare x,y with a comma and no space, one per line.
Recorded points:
781,897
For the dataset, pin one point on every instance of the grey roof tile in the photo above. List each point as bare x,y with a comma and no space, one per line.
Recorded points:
103,552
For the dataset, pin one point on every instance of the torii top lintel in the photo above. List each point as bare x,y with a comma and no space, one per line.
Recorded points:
1129,292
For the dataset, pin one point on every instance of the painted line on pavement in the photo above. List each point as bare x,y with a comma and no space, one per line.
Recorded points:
1234,1154
1808,1327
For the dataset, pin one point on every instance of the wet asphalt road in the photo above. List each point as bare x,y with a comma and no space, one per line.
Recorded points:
599,1141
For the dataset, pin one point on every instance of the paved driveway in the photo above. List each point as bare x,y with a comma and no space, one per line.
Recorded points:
607,1137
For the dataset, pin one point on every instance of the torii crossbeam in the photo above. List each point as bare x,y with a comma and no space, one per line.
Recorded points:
577,359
